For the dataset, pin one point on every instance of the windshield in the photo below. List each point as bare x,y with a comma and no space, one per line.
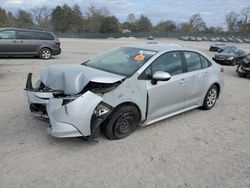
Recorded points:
229,50
123,61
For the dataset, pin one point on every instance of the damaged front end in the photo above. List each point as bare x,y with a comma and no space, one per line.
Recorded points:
75,116
37,97
72,100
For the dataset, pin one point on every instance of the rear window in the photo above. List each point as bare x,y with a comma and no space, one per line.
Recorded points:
46,36
193,61
27,35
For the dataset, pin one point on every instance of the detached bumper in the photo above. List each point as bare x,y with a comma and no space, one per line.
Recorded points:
74,118
36,100
37,97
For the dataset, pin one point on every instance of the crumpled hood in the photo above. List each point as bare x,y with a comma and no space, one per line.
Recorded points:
71,79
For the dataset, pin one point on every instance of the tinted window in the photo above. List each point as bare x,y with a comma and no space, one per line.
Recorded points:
169,62
204,62
46,36
193,61
9,34
27,35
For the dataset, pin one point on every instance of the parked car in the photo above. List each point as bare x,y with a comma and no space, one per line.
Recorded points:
246,40
150,37
192,38
230,56
243,68
14,41
198,38
204,38
185,38
217,47
223,39
124,87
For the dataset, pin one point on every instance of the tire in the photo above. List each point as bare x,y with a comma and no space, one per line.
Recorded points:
210,98
234,62
122,123
45,53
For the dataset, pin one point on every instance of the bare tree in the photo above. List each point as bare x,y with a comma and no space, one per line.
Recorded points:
231,21
42,15
245,12
197,23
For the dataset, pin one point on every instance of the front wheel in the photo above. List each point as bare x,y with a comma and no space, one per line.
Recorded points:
45,53
210,98
123,122
234,62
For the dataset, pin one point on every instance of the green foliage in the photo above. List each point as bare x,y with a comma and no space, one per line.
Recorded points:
166,26
24,19
3,18
110,24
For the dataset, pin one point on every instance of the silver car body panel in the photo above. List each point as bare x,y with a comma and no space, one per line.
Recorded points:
155,102
37,97
71,79
75,116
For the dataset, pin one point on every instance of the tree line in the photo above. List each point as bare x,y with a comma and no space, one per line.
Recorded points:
67,18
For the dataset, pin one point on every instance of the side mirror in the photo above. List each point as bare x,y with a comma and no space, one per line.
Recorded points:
160,76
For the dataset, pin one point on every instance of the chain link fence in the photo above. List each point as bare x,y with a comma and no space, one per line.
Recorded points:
143,35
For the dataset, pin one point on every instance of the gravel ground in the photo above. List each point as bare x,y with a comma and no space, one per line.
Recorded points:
194,149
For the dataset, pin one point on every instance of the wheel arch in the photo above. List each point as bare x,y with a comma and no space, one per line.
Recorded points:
128,103
218,87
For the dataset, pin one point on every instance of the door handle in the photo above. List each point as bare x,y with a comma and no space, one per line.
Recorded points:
182,81
205,74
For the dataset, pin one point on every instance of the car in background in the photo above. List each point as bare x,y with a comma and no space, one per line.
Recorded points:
243,68
217,47
230,56
185,38
124,87
246,40
27,42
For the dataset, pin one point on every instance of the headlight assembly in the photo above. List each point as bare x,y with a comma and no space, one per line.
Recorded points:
230,58
101,109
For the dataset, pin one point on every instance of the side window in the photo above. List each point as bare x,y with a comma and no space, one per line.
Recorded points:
169,62
204,62
193,61
8,34
46,36
27,35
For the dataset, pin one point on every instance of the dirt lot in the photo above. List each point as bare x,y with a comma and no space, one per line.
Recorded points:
194,149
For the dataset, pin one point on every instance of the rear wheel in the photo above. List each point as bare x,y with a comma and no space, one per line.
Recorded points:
123,122
210,98
234,62
45,53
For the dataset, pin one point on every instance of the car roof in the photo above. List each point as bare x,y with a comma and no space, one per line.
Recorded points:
33,30
158,47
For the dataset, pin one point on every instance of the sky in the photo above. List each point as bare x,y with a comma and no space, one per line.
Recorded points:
212,11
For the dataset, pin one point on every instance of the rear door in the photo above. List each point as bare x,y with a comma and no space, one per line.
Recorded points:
8,42
197,78
29,42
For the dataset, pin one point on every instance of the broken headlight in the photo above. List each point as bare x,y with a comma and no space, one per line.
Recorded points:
230,58
101,109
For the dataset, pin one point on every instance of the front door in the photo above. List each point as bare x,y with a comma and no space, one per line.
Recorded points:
166,97
8,42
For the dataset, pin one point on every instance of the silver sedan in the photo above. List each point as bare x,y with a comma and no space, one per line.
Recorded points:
123,88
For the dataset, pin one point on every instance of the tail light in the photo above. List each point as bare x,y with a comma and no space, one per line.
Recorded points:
58,43
221,69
